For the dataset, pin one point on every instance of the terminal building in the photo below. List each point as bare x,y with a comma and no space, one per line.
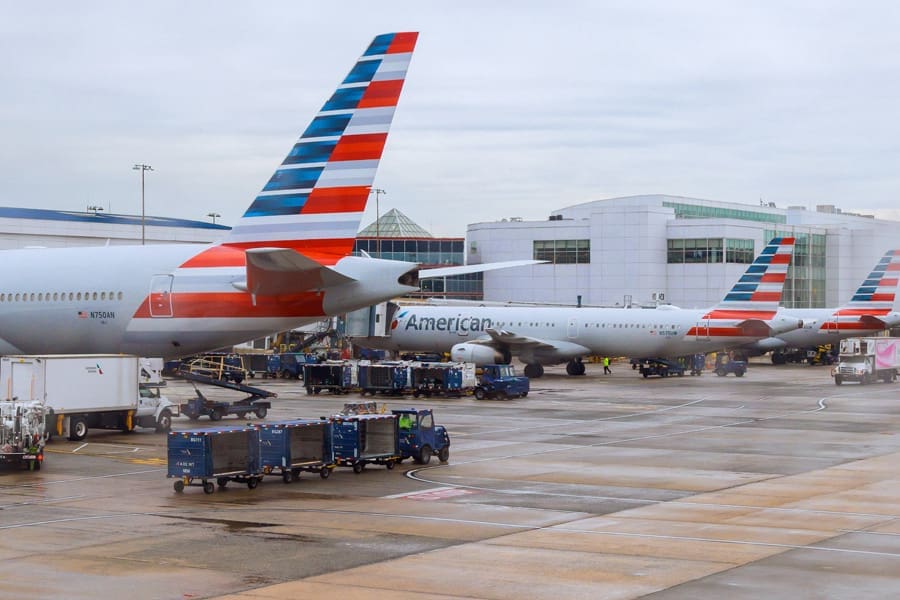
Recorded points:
659,249
39,228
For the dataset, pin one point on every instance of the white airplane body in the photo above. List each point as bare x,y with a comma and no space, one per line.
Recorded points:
285,264
550,335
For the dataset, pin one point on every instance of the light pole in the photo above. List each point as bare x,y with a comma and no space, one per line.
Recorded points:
213,216
142,167
377,192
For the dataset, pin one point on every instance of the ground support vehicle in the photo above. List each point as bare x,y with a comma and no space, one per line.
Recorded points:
255,363
290,365
22,433
501,382
155,410
224,367
867,360
390,378
337,377
698,363
364,439
287,448
451,379
420,438
660,367
200,456
85,391
254,403
725,365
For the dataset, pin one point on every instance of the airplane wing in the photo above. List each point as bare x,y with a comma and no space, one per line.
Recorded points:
527,348
277,271
466,269
514,340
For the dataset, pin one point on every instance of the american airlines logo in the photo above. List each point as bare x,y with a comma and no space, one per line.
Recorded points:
457,324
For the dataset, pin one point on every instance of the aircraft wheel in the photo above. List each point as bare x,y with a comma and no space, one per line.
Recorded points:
534,370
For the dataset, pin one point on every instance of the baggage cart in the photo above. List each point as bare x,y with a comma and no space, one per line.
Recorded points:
287,448
365,439
219,454
451,380
390,378
338,377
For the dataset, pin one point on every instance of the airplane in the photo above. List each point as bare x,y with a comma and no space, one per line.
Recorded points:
551,335
870,310
285,264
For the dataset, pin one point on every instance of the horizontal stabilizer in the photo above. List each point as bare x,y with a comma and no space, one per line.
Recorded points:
279,271
466,269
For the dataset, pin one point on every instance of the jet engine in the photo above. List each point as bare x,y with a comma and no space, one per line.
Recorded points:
478,354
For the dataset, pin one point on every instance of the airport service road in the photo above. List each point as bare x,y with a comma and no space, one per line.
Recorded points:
779,484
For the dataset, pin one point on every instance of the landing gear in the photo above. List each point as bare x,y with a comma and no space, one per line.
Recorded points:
534,370
575,367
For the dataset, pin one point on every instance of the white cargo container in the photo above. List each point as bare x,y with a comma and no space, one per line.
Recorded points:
867,360
86,391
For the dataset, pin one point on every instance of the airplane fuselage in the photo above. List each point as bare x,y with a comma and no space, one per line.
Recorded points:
143,300
601,331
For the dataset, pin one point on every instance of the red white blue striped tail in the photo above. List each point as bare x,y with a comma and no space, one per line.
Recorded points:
873,298
758,292
315,200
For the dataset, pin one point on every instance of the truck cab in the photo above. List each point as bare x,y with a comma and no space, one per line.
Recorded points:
501,381
154,409
420,438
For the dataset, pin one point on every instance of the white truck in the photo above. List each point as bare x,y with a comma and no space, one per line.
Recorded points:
86,391
867,360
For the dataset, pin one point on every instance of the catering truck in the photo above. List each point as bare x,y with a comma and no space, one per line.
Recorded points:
86,391
867,360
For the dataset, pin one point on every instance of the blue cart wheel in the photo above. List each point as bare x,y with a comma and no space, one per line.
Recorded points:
358,467
179,486
252,483
325,473
208,487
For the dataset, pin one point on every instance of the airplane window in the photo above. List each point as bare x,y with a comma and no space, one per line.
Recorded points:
17,297
55,296
112,295
71,296
78,296
2,297
94,296
120,295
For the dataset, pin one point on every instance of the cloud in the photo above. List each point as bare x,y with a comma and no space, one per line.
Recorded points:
510,109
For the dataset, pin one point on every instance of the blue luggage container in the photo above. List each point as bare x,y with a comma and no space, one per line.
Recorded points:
221,453
386,378
289,447
365,439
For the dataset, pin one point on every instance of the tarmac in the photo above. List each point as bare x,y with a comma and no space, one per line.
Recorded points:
778,484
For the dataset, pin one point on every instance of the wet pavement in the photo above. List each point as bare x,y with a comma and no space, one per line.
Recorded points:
778,484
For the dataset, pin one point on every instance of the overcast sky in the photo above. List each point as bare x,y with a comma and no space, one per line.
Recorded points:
511,109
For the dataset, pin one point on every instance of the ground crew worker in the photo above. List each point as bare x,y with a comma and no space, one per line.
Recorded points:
606,368
405,421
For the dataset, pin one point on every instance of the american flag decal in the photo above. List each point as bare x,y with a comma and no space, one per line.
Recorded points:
82,314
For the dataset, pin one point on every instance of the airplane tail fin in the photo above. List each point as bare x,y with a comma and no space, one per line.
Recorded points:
874,298
314,201
758,292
